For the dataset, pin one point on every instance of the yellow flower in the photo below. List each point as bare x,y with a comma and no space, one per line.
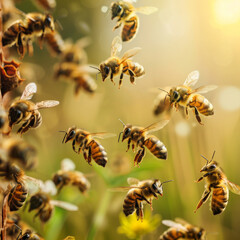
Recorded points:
135,229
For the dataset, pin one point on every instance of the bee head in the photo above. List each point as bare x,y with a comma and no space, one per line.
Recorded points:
116,9
36,201
57,179
126,131
15,115
200,234
157,186
49,22
174,96
105,70
71,133
210,165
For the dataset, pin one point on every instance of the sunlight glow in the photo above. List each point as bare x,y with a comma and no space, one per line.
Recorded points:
227,11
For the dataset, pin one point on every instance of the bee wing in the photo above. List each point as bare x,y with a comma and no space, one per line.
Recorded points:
64,205
46,104
205,89
146,10
67,165
130,53
133,181
49,188
233,187
33,185
116,46
181,221
29,90
83,42
88,69
155,126
191,79
102,135
173,224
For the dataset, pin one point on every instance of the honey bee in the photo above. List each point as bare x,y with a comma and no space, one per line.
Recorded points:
126,15
186,97
139,136
141,192
217,186
67,176
88,145
34,25
74,52
25,111
55,42
78,74
19,151
182,230
44,205
118,66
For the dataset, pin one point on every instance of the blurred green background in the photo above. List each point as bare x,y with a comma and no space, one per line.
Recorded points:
181,37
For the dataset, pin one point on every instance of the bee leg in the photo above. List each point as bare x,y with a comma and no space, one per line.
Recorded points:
129,142
30,47
133,147
136,157
73,146
117,26
201,178
204,198
186,112
197,115
120,81
20,47
111,77
132,79
141,155
89,156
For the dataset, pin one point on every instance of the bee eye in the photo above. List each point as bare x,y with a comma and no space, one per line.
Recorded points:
199,234
107,70
48,21
175,95
119,9
57,179
72,133
154,187
127,131
212,167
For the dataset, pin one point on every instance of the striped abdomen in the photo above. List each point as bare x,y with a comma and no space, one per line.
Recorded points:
98,153
202,104
129,203
156,147
136,68
17,197
219,199
11,34
55,42
130,28
86,82
172,234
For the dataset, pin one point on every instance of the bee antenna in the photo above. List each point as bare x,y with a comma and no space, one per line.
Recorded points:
164,90
166,182
122,122
206,159
119,136
64,135
57,22
95,68
213,155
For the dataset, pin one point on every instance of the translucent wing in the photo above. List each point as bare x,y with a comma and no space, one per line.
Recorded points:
146,10
29,90
33,185
116,46
46,104
181,221
88,69
155,126
64,205
192,79
205,89
132,181
83,42
49,188
130,53
102,135
67,164
173,224
233,187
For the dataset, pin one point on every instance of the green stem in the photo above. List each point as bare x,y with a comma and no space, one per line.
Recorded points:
100,215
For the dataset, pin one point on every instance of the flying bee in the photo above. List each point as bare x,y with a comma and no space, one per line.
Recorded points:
119,66
78,74
217,186
34,25
19,151
55,42
88,145
182,230
44,205
126,16
139,136
25,111
141,192
67,176
74,52
186,97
